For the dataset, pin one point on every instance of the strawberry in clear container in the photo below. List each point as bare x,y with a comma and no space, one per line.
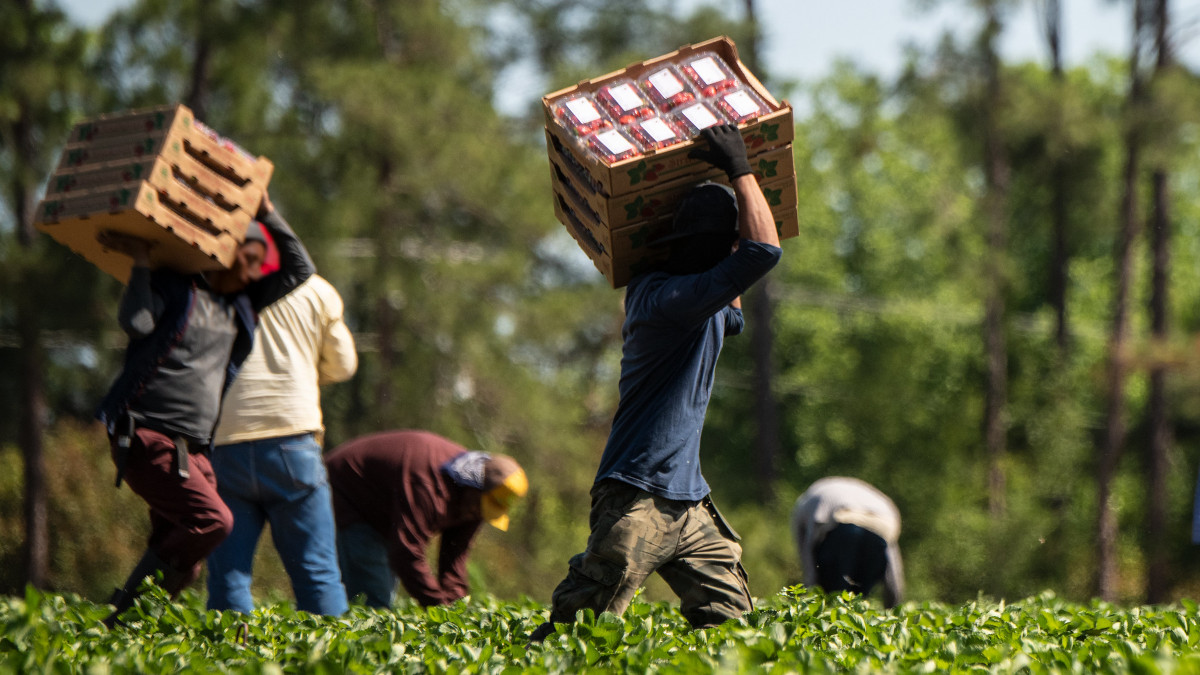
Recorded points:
709,74
667,89
698,116
655,133
612,146
580,115
741,105
624,102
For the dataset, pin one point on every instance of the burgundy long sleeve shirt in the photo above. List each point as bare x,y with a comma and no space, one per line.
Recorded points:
393,481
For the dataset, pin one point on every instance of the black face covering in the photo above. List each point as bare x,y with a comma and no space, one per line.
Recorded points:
705,228
699,253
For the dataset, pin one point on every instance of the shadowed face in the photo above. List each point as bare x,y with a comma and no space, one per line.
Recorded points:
247,267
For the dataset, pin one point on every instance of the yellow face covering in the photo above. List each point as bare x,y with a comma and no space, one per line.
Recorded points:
497,501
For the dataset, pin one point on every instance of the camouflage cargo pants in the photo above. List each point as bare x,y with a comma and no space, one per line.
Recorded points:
634,534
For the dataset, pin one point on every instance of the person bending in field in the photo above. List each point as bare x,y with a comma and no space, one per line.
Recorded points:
651,509
394,491
847,533
189,334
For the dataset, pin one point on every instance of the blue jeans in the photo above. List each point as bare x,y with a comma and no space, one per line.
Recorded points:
363,556
281,481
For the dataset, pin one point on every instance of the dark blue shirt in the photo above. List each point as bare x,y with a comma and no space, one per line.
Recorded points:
674,329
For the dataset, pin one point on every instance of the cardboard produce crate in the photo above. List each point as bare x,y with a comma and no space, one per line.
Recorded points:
780,193
159,174
630,250
178,240
773,129
175,134
594,200
661,198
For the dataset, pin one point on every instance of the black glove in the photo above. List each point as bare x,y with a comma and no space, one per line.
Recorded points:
726,150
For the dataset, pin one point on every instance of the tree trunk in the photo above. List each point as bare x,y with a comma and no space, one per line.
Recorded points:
761,307
1160,436
32,410
385,315
1160,439
1061,255
197,98
1114,436
996,212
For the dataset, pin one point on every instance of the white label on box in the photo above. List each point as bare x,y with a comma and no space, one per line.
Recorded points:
700,116
614,142
626,96
659,130
708,70
741,103
665,82
583,110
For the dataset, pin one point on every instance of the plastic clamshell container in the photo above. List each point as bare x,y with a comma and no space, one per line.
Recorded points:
612,145
656,132
740,105
708,74
667,88
624,101
698,116
581,116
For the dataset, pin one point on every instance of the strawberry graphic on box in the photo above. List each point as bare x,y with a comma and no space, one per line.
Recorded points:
764,134
767,169
644,172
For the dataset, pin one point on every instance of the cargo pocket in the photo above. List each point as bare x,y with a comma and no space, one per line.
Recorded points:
593,582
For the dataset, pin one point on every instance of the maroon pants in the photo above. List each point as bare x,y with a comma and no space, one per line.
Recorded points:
187,517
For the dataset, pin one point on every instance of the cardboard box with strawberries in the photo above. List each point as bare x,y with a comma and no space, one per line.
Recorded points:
618,146
159,174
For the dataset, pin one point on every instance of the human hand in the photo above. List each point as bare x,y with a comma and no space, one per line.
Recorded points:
133,246
726,150
265,207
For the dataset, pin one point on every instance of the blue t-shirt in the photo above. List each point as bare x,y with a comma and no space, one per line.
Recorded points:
673,332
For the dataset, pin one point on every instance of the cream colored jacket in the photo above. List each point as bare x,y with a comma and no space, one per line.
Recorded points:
301,343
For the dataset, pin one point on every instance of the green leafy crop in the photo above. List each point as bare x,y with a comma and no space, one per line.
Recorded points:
796,631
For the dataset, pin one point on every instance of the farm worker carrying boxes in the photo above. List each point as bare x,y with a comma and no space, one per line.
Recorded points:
651,507
188,335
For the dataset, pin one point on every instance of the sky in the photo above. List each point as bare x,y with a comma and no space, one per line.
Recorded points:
804,37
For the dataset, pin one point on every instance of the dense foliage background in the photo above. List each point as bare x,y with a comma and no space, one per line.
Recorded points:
927,251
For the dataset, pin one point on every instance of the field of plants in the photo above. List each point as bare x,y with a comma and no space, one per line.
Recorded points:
796,631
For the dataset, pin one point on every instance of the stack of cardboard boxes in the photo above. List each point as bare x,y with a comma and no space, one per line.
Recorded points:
615,209
159,174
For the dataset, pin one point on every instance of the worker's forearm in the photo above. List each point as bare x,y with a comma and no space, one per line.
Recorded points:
755,221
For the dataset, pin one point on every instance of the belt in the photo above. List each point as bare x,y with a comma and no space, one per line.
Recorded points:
184,446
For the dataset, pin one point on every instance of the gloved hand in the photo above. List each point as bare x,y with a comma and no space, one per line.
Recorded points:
726,150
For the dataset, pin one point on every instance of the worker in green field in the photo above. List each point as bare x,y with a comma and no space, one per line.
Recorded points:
394,491
651,509
847,533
